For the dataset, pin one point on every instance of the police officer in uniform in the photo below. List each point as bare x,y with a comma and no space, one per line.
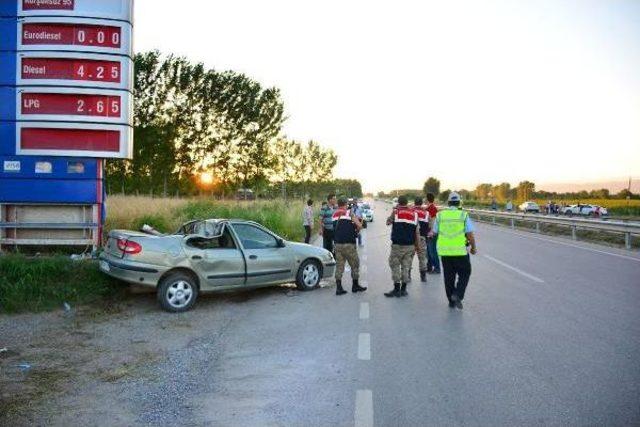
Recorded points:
423,223
455,233
345,230
404,243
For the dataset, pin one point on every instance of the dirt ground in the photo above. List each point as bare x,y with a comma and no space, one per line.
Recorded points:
87,366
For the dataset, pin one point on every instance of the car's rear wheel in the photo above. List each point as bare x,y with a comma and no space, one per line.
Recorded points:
309,275
177,292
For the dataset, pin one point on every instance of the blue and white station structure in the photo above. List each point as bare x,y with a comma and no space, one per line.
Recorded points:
66,104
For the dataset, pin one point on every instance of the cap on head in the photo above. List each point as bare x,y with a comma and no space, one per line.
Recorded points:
454,197
403,200
342,201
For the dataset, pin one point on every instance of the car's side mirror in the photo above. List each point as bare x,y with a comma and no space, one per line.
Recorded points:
281,243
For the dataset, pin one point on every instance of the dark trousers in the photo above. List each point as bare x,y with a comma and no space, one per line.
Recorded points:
456,266
433,262
307,233
327,239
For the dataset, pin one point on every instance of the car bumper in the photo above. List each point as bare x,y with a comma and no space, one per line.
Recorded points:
131,272
328,270
368,217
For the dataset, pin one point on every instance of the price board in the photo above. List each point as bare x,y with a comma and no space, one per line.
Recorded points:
106,9
69,69
67,62
70,139
74,104
79,34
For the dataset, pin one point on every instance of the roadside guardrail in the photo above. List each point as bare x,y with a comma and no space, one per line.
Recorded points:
625,228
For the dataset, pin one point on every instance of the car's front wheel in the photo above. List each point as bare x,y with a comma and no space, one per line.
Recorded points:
309,275
177,292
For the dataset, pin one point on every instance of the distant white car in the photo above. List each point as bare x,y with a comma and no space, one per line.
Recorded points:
367,212
395,202
585,210
529,207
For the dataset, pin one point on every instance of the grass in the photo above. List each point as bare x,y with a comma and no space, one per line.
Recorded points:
167,214
44,283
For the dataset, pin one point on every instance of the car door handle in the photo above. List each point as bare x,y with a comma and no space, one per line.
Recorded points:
196,257
253,256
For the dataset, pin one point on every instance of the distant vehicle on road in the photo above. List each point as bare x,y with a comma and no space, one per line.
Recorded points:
245,194
395,202
529,207
212,255
585,210
367,212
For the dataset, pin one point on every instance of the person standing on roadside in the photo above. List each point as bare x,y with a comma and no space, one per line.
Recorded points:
455,232
405,236
326,222
307,220
346,226
423,224
433,265
357,211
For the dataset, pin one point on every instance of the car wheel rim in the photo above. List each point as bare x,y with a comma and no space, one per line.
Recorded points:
179,294
310,275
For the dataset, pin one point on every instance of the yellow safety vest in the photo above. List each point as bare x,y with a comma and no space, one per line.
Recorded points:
452,240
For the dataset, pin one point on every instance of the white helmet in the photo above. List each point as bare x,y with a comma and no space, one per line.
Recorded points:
454,197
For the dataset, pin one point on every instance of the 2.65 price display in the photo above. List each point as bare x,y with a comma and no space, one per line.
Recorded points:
71,104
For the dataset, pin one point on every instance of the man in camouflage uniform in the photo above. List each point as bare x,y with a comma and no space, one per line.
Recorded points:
404,243
423,223
346,226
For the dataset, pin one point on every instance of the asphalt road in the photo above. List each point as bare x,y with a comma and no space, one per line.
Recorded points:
549,336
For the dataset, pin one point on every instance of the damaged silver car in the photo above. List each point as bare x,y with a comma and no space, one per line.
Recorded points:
211,255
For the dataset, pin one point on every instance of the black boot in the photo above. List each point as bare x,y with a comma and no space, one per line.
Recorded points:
423,276
357,288
395,292
403,290
339,290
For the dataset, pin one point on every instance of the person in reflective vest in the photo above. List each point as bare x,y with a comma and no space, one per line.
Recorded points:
345,229
404,243
423,224
455,233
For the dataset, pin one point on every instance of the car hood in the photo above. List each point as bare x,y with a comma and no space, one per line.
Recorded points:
306,251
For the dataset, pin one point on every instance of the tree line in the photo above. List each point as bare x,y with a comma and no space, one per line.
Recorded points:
190,122
525,190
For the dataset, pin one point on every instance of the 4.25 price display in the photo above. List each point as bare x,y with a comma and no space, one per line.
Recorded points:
71,69
71,104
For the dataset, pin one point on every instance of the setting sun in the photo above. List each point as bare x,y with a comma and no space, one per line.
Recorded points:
206,178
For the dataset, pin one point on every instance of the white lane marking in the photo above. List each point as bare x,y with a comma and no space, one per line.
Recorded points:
526,236
364,346
517,270
364,408
364,310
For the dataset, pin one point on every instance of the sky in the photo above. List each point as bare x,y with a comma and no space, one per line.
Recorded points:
466,91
